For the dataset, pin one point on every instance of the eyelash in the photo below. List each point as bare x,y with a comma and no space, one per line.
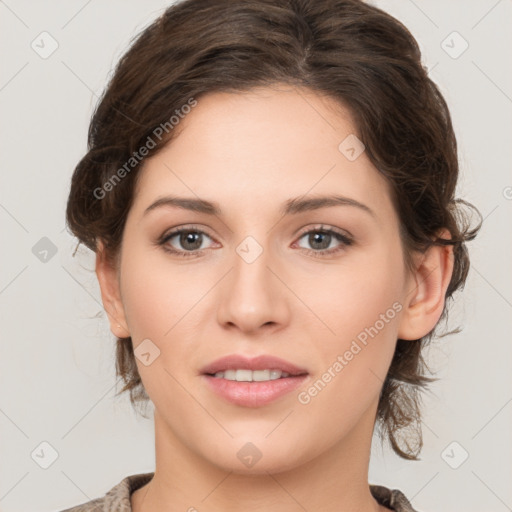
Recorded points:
340,237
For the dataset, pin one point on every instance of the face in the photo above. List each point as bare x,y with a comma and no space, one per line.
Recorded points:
319,287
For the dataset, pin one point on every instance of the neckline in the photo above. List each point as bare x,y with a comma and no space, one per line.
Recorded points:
383,495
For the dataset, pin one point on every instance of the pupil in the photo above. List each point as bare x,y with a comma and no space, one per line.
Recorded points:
189,237
314,239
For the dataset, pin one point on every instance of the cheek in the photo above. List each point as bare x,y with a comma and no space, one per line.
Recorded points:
352,296
361,306
162,303
156,295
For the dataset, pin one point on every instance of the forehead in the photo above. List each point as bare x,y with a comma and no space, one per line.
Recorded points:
261,147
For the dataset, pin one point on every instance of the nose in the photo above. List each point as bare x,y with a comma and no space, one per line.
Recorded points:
254,295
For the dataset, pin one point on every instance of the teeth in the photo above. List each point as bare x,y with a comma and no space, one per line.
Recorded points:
250,375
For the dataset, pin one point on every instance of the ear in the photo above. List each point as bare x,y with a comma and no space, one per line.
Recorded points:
108,280
425,295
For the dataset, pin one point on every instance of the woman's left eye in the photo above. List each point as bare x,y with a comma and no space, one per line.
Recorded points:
321,238
191,241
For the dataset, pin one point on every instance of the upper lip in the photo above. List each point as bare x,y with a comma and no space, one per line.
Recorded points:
262,362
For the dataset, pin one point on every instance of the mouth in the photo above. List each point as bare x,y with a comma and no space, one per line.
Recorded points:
244,375
241,368
252,382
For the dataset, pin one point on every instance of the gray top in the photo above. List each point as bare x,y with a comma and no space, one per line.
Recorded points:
118,498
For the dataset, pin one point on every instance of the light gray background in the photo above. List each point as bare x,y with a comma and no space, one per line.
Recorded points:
56,361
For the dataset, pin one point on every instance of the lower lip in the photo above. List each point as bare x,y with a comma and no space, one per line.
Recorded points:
253,394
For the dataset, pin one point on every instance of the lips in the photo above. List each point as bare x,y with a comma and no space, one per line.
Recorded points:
262,362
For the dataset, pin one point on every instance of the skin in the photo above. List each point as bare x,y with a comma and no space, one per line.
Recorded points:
250,153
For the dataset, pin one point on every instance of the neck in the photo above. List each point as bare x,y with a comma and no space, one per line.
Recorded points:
336,480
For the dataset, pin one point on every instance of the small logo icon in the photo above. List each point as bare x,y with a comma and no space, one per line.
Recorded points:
454,45
44,455
146,352
454,455
44,45
351,147
249,454
44,250
249,249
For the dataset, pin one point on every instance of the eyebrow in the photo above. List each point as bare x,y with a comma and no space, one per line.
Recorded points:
290,207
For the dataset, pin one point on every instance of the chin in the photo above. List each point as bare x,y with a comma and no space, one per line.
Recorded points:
246,457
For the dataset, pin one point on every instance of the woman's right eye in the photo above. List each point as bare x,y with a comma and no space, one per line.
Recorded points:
190,240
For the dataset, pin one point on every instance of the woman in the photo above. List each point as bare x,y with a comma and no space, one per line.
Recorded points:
302,151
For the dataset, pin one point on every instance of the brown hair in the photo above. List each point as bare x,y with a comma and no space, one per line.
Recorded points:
346,49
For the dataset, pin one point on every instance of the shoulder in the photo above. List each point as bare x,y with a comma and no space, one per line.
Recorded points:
394,499
118,498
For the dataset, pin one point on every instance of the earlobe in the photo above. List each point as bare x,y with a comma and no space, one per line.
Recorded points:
110,293
425,298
